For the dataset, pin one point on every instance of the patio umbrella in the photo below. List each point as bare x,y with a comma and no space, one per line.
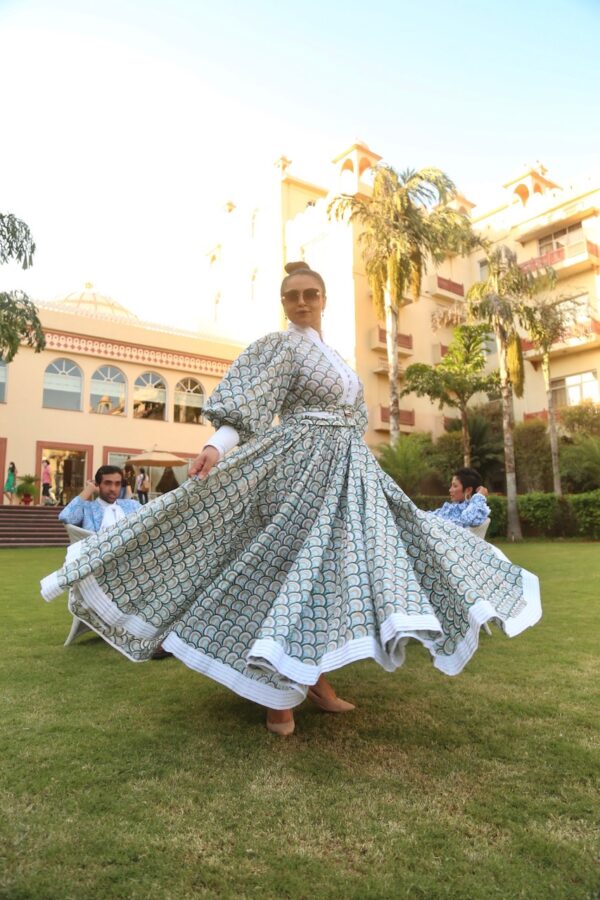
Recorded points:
157,458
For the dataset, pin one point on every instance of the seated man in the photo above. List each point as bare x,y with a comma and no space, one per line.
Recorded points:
102,513
97,515
467,505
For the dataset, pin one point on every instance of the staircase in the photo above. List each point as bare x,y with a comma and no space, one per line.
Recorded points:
31,526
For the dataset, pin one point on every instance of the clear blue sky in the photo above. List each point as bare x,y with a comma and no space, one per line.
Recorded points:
120,112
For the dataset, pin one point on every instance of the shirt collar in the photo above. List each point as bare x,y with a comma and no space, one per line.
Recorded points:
306,330
104,504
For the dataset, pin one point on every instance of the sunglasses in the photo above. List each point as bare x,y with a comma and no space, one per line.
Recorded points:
310,295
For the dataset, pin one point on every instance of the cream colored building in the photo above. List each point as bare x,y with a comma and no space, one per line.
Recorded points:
544,223
107,386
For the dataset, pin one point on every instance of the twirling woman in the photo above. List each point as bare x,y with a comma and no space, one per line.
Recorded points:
294,554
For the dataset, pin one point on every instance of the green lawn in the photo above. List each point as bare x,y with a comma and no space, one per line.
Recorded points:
149,781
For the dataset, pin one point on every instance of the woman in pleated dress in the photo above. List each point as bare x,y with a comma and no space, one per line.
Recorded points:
290,553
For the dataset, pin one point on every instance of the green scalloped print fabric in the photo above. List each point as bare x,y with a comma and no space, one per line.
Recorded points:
297,554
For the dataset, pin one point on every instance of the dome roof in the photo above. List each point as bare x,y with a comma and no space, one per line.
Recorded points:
90,302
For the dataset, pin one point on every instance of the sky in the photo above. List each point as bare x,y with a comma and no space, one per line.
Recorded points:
126,125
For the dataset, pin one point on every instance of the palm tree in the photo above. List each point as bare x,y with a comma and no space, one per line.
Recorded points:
406,224
548,320
498,301
458,377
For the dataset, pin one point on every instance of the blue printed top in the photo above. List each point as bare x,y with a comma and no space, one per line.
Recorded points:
469,513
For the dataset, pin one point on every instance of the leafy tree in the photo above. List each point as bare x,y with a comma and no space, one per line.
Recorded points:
18,315
498,301
16,242
581,419
457,378
580,463
548,320
406,224
406,460
486,444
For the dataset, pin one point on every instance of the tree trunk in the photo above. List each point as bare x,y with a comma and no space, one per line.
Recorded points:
552,426
391,339
466,439
513,529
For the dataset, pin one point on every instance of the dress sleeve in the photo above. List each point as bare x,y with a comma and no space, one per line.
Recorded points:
253,391
72,514
475,512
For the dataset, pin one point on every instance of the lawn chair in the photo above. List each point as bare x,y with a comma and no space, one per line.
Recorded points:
75,534
480,531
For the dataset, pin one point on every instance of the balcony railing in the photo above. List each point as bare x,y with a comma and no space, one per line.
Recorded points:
404,341
561,255
453,287
407,416
585,330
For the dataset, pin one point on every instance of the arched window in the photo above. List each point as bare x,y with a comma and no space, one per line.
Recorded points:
150,397
2,381
189,401
63,383
108,391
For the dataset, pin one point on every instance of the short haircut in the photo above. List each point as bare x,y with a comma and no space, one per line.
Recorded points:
468,478
107,470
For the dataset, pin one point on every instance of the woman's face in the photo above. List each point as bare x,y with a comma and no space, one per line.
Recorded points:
303,301
457,492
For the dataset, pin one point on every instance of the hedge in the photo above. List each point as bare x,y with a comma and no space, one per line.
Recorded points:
542,515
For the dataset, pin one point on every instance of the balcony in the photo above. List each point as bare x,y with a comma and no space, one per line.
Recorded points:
380,420
584,336
381,367
567,260
549,220
446,289
378,338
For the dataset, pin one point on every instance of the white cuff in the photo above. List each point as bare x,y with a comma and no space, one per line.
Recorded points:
225,438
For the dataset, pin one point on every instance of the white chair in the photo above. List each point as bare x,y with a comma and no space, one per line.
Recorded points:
78,627
481,531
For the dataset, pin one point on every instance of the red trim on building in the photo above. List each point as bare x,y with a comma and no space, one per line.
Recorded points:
128,450
88,449
454,287
404,340
407,416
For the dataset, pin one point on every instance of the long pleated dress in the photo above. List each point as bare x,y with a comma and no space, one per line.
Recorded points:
297,554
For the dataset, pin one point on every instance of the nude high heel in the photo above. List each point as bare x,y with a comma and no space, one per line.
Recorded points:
283,729
329,704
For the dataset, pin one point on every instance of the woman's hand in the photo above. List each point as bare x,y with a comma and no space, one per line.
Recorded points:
482,490
204,462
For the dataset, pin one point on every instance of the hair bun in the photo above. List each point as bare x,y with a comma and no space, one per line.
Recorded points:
301,266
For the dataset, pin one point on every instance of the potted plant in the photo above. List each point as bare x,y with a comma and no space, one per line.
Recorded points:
26,489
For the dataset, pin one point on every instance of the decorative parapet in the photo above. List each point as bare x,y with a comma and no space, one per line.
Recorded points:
67,342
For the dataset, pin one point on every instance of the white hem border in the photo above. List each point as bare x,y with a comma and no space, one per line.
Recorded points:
267,655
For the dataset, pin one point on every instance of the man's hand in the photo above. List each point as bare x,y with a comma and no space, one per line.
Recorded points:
88,491
204,462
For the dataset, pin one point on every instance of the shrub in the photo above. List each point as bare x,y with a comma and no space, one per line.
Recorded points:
580,463
532,456
586,508
583,419
407,460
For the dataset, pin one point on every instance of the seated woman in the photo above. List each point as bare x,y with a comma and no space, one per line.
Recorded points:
467,505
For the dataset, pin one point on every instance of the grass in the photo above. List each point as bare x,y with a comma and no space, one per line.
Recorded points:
148,781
